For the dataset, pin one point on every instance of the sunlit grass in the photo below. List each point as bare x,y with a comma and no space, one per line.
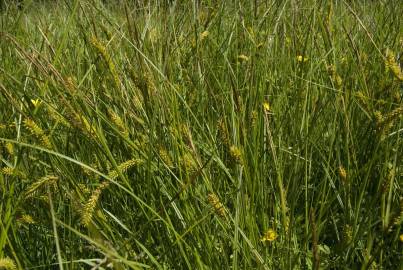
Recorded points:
243,135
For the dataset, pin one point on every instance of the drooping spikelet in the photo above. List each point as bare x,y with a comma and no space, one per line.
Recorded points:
38,132
214,201
124,167
7,264
100,48
48,180
89,207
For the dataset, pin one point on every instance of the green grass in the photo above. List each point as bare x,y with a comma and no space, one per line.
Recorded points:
234,135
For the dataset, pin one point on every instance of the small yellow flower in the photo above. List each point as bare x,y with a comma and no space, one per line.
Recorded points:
36,102
301,58
269,236
401,238
266,106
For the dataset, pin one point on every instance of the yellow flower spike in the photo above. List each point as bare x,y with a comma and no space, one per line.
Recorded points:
36,102
269,236
301,58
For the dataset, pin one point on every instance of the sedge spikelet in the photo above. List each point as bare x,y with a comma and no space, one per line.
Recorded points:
337,80
100,48
253,118
7,264
89,207
84,189
347,234
243,58
117,120
236,154
165,157
10,148
204,35
50,180
393,115
26,219
399,217
223,132
385,122
342,174
123,167
13,172
7,171
85,124
392,65
188,163
214,201
38,132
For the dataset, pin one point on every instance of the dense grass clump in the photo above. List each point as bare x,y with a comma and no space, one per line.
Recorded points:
201,135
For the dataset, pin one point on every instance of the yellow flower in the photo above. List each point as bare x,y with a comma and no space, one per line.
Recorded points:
36,102
266,106
269,236
301,58
401,238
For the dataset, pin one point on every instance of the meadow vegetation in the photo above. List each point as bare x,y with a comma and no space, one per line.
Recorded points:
201,135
